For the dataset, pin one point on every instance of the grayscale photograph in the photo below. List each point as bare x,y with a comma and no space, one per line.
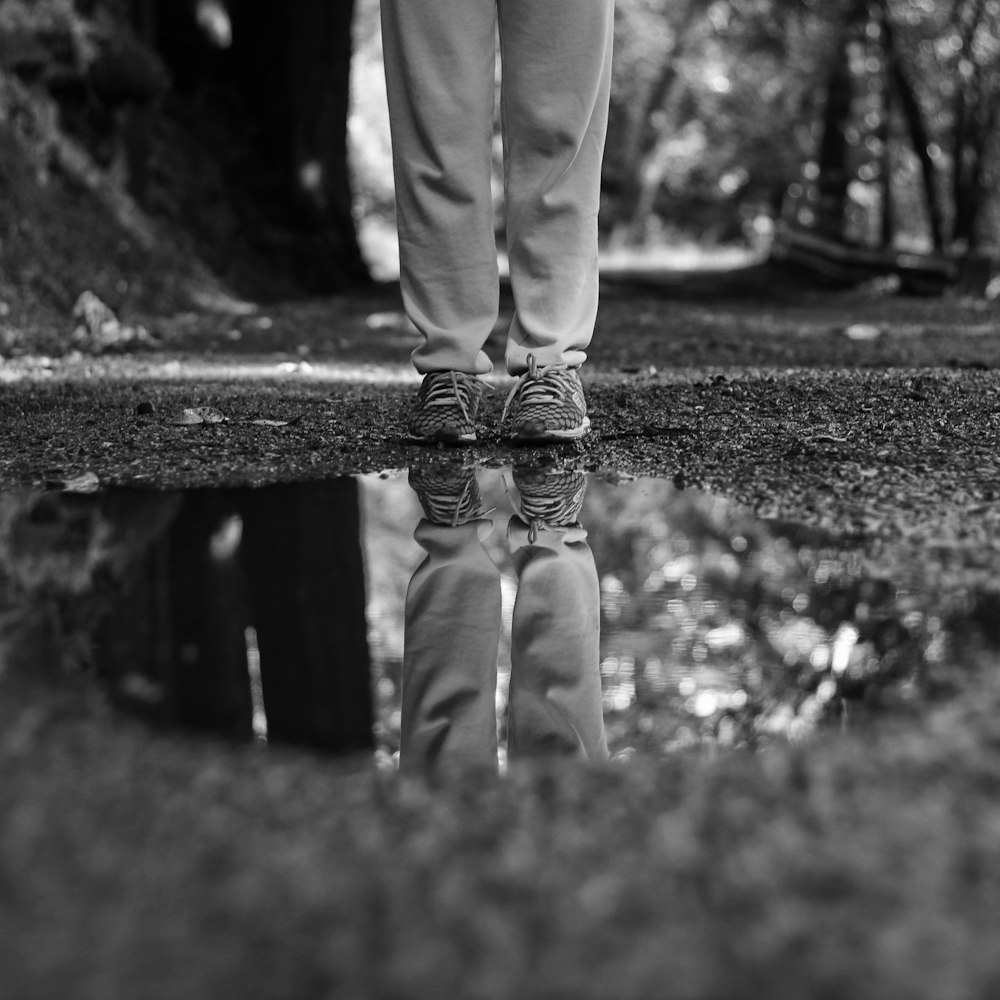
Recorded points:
499,499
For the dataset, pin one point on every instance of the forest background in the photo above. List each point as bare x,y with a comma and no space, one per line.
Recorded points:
173,155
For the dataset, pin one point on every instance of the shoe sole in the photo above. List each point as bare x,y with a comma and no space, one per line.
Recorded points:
572,434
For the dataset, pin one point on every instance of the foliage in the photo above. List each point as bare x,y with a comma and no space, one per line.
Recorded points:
705,99
718,108
71,76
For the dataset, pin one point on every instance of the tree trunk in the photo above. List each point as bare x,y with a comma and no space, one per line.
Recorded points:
294,64
646,138
917,127
888,233
282,91
967,99
654,165
831,157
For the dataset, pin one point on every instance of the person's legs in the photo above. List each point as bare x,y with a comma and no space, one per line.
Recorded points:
439,67
556,85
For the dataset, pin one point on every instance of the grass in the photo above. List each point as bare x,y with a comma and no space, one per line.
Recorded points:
139,865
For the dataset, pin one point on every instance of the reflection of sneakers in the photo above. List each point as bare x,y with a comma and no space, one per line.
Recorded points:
550,498
546,404
448,494
446,409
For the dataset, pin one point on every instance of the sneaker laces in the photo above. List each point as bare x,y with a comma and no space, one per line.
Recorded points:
442,508
539,385
448,388
555,510
441,503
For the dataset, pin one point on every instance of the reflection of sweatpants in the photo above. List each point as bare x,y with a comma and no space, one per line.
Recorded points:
452,637
439,66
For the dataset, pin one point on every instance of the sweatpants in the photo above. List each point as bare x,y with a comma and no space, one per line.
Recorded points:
556,75
452,637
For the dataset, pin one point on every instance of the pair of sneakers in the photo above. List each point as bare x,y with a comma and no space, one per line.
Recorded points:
548,498
546,404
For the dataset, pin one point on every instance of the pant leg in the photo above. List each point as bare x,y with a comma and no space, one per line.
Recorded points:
556,86
439,69
450,645
555,680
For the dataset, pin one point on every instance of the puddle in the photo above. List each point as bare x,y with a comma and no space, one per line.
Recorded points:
659,619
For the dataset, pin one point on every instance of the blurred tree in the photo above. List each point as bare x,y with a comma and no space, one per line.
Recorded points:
714,105
910,77
281,71
879,116
833,152
226,120
911,108
974,41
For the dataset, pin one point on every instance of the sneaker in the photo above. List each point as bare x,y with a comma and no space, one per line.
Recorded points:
550,498
446,408
448,494
546,404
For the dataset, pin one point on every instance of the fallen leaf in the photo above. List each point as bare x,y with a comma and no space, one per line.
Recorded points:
86,482
200,415
277,423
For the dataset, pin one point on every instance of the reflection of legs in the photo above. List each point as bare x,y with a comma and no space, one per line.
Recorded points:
452,634
555,684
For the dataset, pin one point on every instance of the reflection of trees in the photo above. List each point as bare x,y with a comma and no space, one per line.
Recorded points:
176,598
719,627
62,558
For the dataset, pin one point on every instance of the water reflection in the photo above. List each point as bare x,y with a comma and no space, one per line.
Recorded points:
453,623
716,628
236,611
454,613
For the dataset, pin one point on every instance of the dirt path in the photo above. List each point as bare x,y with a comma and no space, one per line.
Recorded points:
863,415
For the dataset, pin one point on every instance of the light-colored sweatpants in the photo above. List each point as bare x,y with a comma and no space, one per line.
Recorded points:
452,637
439,67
